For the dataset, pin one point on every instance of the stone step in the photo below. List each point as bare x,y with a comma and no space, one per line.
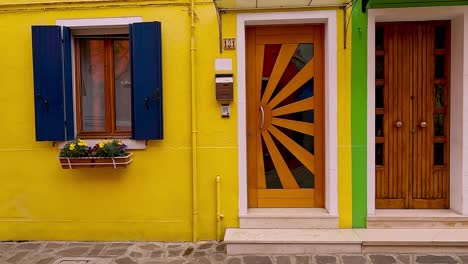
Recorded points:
416,219
344,241
288,218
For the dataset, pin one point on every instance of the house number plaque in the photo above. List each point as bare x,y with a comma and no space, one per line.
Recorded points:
229,43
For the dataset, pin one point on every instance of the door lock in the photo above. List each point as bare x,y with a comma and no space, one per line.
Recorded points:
398,124
423,124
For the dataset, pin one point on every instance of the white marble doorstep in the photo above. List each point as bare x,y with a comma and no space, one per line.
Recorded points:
352,236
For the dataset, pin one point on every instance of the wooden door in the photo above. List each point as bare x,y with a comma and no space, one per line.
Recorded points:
412,115
285,131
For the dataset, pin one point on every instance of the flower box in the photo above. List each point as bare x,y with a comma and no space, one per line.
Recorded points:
95,162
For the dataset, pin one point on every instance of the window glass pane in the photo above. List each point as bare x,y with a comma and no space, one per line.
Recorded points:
379,96
439,96
439,37
379,67
122,85
379,154
439,125
379,119
92,85
439,154
379,38
439,66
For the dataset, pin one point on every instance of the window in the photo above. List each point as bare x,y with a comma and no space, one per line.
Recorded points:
118,83
103,92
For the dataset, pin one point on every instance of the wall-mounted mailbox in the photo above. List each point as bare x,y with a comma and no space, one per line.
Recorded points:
224,87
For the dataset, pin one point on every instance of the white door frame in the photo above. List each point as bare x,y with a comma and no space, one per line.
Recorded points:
459,99
328,18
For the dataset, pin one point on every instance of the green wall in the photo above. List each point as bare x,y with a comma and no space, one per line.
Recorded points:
359,97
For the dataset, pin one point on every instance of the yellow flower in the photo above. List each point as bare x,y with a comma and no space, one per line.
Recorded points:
119,142
72,146
82,143
101,145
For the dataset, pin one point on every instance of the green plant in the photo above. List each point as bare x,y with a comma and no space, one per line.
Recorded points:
75,148
109,148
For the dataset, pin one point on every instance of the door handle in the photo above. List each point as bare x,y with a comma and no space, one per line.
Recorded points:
398,124
263,117
423,124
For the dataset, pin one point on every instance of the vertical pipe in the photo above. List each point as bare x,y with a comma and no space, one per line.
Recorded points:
194,124
219,216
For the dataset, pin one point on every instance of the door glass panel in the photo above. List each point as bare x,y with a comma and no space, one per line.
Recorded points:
379,67
379,38
439,125
439,153
271,175
379,130
269,58
122,86
379,153
379,96
440,66
92,60
439,96
439,37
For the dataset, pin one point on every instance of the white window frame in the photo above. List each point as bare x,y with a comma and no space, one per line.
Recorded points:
87,26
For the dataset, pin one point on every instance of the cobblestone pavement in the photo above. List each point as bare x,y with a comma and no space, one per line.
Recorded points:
53,252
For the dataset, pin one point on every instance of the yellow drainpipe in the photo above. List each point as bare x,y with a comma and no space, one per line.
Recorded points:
194,125
219,216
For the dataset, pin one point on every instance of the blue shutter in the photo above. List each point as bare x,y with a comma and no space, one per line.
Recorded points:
48,83
147,93
68,84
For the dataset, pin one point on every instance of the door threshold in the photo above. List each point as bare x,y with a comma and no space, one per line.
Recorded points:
416,218
288,218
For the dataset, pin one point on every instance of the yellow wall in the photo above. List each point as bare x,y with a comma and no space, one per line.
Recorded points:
152,198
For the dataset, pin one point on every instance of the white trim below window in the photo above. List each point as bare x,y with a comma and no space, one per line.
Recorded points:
459,99
328,18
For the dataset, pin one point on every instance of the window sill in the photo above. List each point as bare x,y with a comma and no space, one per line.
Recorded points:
131,143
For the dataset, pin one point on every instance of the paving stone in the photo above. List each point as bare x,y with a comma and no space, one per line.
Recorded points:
157,254
5,246
29,245
283,260
172,246
464,259
257,260
154,262
80,244
125,260
205,246
17,257
73,252
120,244
435,259
382,259
47,260
177,261
198,254
234,261
174,253
136,254
115,251
219,257
96,250
203,260
354,259
405,259
54,245
302,259
325,259
149,246
188,251
221,247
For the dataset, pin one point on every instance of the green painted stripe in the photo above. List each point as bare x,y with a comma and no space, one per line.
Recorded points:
414,3
359,115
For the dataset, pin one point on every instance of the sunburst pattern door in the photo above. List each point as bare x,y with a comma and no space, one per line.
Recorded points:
285,131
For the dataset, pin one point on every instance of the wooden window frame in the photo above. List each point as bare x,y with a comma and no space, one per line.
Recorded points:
109,91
